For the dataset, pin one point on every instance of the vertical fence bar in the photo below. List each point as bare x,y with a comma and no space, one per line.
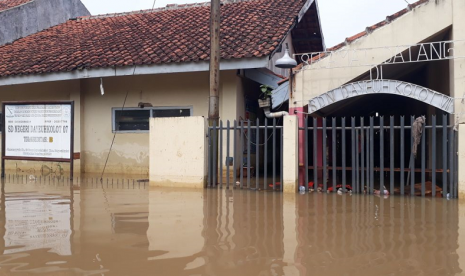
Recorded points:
315,154
451,162
220,149
325,169
265,156
402,155
368,179
412,159
210,162
444,155
354,167
456,168
423,161
282,159
241,148
257,155
344,172
334,150
274,154
391,153
249,161
433,157
356,189
215,158
228,155
381,155
306,153
372,155
362,155
235,154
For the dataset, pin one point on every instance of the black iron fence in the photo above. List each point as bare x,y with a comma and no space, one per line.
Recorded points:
245,154
380,155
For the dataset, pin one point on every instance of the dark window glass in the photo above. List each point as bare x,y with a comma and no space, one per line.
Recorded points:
132,120
183,112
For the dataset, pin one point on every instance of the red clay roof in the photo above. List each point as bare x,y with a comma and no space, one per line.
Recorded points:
173,34
8,4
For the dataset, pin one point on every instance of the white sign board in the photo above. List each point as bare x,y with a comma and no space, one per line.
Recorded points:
38,131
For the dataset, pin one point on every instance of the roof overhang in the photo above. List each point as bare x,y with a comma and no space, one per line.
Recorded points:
245,63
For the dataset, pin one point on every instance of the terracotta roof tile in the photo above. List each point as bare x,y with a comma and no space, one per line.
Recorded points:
168,35
8,4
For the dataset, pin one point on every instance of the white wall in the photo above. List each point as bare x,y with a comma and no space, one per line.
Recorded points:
178,152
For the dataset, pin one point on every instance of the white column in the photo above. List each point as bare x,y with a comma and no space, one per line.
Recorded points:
458,84
290,156
78,97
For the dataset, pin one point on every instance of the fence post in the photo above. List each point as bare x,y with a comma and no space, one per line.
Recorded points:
461,161
290,154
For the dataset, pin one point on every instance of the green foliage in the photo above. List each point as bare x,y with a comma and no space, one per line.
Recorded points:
266,91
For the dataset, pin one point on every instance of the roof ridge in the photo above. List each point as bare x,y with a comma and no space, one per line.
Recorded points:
367,31
378,25
168,7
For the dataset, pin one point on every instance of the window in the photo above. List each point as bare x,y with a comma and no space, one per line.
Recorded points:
137,119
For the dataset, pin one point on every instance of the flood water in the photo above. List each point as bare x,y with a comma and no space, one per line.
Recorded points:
51,229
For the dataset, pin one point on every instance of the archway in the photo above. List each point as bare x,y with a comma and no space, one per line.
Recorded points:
382,86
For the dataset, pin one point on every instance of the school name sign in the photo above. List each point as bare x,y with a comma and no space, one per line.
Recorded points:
38,131
382,86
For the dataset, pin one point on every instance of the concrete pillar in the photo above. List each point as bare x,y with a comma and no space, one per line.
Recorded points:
458,84
78,97
299,112
290,156
177,149
461,165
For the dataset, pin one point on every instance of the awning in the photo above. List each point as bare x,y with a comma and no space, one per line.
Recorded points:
280,95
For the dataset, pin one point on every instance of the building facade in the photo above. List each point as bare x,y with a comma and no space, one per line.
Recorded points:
122,69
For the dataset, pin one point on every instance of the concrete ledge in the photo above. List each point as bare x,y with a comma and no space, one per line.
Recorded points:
177,182
178,152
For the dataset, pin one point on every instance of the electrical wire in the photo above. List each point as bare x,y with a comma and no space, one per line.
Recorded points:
153,6
113,141
271,134
116,132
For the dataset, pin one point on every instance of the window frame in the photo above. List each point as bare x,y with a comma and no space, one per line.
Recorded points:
151,109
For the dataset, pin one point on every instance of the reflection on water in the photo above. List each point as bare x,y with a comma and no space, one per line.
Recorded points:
97,230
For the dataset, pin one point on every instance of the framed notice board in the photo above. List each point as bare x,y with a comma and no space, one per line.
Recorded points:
38,131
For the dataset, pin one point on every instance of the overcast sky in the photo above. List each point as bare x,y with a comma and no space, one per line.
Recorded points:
339,18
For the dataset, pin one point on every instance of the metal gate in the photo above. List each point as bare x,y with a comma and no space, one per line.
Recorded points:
245,154
376,155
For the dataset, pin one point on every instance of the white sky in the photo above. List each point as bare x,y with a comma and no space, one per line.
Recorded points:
339,18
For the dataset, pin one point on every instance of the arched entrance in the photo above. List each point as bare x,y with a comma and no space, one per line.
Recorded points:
362,137
382,87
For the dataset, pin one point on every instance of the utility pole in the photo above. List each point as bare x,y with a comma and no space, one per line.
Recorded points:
213,105
213,111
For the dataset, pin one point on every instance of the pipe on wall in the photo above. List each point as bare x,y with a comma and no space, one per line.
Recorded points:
271,115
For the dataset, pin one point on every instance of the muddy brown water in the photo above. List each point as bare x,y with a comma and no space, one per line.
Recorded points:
51,229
